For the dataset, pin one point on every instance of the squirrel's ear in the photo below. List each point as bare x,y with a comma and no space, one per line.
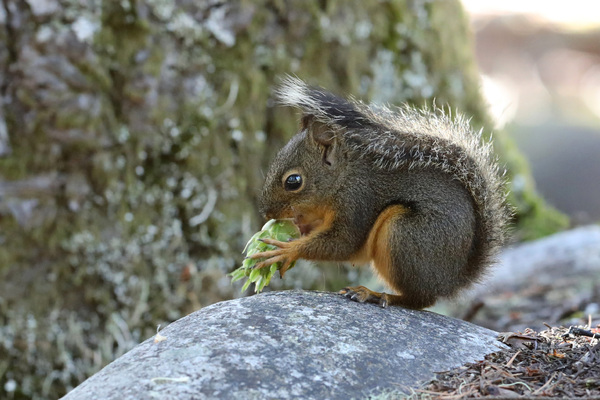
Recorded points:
324,136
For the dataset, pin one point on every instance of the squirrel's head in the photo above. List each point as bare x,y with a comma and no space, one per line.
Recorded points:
304,174
307,176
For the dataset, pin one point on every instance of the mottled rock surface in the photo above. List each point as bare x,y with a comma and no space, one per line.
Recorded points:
290,345
569,253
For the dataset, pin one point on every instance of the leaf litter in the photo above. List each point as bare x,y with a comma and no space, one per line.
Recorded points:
558,362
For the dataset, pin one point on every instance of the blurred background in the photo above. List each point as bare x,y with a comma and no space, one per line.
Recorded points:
540,68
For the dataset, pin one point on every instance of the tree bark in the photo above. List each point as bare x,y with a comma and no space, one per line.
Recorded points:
133,139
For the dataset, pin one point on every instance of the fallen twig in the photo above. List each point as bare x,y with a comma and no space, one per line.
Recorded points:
581,332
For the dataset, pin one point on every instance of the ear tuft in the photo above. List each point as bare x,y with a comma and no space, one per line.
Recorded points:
324,136
321,133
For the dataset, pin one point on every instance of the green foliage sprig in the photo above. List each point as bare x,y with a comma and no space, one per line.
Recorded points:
282,230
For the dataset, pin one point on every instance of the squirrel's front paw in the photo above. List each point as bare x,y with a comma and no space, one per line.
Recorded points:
365,295
285,253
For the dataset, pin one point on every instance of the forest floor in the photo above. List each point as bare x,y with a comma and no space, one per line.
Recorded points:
557,362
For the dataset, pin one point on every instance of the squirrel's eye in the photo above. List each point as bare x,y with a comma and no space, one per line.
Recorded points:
293,183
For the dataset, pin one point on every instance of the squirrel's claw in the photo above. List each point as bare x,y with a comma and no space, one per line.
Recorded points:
287,262
269,261
362,294
285,256
277,243
266,254
285,267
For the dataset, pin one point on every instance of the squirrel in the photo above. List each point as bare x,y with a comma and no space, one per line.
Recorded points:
412,191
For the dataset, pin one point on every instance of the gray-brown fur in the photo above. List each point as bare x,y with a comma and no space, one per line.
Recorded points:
433,164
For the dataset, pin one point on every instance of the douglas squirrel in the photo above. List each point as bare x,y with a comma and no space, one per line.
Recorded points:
412,191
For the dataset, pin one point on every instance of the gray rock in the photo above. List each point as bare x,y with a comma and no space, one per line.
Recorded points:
295,344
570,253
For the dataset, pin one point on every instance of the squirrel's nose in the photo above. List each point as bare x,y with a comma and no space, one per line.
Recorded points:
267,213
271,213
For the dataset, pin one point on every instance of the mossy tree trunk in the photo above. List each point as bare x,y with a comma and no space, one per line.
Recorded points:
133,139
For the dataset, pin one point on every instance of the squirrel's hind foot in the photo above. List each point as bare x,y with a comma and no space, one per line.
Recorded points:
362,294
